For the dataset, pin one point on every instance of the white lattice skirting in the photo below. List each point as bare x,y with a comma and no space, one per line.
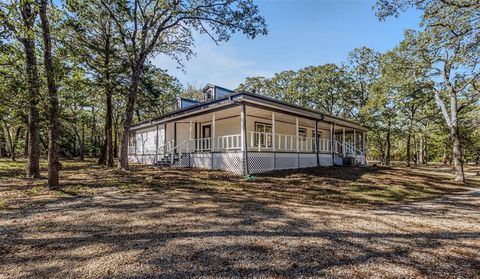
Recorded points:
228,161
258,162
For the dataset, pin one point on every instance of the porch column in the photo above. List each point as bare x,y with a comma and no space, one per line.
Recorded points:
213,132
174,135
316,142
243,130
343,141
296,133
354,139
156,147
333,144
273,131
189,136
363,143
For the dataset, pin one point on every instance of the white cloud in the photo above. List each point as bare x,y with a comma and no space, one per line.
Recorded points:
221,64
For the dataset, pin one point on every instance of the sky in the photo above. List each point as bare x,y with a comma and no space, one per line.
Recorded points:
301,33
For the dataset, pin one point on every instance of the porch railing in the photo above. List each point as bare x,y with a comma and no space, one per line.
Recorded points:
265,141
256,141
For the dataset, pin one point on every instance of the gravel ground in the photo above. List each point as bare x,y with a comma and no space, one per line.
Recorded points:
228,232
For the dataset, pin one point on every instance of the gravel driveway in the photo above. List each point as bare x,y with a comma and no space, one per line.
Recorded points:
193,232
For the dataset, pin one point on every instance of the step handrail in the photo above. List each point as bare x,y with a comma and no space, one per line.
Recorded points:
349,148
179,147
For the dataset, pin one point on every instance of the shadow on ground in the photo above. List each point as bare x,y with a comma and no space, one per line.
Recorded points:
188,223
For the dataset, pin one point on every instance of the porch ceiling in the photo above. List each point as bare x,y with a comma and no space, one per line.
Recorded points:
207,117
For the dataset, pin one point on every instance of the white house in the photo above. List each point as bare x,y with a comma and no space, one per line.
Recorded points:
246,133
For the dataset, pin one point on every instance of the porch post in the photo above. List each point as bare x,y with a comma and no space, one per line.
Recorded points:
332,142
243,128
273,131
274,141
189,136
174,135
316,142
354,139
213,146
164,140
156,147
363,144
343,141
296,133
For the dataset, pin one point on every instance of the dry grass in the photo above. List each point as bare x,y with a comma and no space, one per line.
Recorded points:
327,222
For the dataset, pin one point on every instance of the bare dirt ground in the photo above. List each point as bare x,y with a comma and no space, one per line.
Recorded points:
150,222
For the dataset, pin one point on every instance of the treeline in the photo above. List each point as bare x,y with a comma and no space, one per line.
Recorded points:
76,74
420,100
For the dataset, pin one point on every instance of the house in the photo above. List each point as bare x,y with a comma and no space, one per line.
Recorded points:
245,133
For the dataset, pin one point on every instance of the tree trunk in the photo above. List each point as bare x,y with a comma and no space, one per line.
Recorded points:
1,143
25,149
409,140
74,153
425,152
10,141
15,141
108,129
132,95
102,159
53,127
115,141
33,163
82,144
108,144
419,150
389,145
445,154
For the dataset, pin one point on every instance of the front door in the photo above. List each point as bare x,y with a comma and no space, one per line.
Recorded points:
206,136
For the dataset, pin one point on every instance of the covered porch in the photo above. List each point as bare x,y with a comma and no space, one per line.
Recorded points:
265,137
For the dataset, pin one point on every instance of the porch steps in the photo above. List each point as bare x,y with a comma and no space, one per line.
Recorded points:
166,161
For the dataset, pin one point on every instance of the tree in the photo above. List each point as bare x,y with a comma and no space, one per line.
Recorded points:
449,46
363,70
18,21
158,93
149,27
95,37
325,88
53,122
408,79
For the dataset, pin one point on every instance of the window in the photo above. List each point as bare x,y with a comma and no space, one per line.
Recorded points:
302,133
319,134
263,135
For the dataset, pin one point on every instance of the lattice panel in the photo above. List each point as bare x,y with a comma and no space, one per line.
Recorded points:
228,161
338,160
183,162
307,160
326,160
286,161
201,160
260,162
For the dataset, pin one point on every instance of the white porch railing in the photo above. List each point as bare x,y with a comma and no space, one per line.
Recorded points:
230,142
265,141
256,141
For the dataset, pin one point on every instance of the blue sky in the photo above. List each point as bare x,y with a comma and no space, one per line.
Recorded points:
301,33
